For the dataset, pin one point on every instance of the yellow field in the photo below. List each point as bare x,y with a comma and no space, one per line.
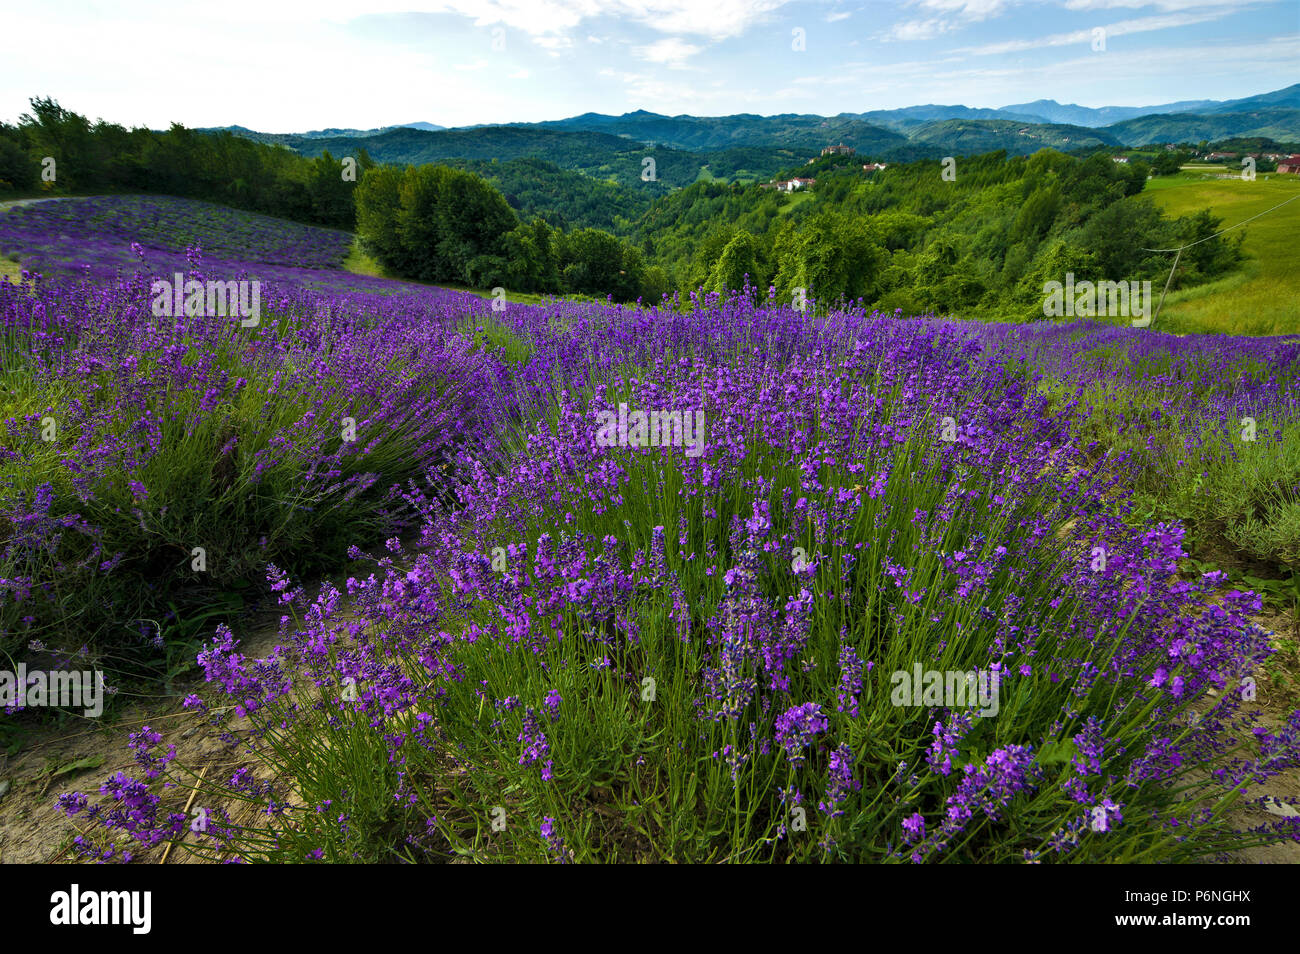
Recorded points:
1262,297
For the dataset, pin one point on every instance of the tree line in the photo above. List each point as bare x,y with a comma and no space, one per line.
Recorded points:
444,225
430,222
221,167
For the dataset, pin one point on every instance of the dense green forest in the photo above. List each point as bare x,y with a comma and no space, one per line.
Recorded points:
434,223
594,154
105,157
903,237
982,243
980,240
537,187
964,137
1276,123
710,133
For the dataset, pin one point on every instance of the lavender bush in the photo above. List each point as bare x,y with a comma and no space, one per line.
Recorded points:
614,650
101,230
129,440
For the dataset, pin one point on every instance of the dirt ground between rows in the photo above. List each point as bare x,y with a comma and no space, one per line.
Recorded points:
34,831
32,828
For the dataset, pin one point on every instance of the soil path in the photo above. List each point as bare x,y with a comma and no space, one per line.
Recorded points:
33,830
14,203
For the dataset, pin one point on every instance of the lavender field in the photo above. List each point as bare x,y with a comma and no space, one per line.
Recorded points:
712,580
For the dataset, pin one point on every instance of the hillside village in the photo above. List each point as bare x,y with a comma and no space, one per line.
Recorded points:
1285,163
800,182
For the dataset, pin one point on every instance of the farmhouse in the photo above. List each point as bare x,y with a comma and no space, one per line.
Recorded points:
873,166
1289,164
1119,158
789,185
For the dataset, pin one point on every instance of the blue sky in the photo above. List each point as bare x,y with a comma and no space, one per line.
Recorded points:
294,66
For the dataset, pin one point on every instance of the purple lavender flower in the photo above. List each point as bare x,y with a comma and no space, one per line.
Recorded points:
797,727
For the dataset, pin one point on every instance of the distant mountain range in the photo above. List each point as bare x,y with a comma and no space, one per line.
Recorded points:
689,147
336,133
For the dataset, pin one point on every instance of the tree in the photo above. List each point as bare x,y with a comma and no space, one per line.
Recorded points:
420,225
472,219
1116,236
17,170
593,262
1166,164
1210,256
831,256
1037,214
329,193
531,258
738,265
66,137
378,205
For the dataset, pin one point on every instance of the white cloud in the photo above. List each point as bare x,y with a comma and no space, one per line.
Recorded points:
836,17
918,29
714,19
268,55
711,19
974,11
1131,81
953,15
670,52
1168,6
1121,28
553,44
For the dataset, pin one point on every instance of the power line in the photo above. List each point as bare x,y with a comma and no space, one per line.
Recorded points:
1228,229
1179,250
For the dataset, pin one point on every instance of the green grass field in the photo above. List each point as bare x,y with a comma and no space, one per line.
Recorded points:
1262,297
796,199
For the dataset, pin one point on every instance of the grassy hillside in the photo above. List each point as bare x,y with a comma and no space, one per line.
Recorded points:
1261,298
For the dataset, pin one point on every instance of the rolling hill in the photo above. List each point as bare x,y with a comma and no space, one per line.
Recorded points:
702,134
974,136
749,147
1274,122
